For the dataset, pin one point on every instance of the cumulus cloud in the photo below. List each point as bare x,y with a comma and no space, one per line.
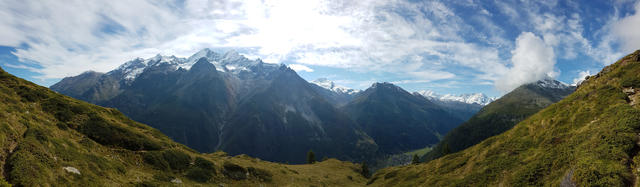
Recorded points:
626,29
300,68
532,60
581,76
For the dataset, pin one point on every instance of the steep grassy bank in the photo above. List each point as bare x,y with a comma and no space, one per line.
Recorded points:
587,139
47,139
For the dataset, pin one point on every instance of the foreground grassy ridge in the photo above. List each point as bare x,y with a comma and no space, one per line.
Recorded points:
45,137
498,117
588,138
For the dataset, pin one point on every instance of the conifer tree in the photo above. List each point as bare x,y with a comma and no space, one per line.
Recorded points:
416,159
311,157
364,169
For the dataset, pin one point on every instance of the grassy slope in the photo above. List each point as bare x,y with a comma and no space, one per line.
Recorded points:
589,138
41,132
497,117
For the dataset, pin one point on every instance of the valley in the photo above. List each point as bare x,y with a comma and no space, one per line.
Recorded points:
320,93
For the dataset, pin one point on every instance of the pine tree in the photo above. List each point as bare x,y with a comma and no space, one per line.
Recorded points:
311,157
364,169
446,149
416,159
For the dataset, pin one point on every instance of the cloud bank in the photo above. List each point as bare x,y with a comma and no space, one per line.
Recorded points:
418,42
532,60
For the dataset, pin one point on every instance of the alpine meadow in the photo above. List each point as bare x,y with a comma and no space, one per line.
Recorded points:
320,93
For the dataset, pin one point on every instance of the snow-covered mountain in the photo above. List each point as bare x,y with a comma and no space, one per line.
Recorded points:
330,85
473,98
213,101
551,83
230,61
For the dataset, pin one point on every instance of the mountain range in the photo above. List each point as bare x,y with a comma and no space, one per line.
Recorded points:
589,138
48,139
213,101
398,120
501,115
473,98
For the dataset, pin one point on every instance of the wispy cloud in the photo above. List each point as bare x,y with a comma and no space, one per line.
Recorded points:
298,68
419,41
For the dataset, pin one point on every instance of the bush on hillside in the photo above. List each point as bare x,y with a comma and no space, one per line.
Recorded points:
234,171
631,81
261,174
177,160
155,159
202,171
104,133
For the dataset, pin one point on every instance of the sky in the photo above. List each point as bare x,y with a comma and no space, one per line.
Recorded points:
461,46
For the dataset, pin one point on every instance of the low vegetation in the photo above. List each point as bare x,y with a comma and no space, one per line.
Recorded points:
47,139
587,139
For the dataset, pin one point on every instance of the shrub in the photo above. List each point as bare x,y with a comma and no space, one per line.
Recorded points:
261,174
631,81
415,160
29,94
155,159
234,171
204,164
364,170
311,157
177,160
202,171
199,174
104,133
38,134
163,176
59,108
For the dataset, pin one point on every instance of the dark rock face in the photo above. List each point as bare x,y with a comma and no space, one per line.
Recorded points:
227,102
397,120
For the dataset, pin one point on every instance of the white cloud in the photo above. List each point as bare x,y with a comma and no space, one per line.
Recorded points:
532,60
581,76
69,37
627,30
299,68
417,41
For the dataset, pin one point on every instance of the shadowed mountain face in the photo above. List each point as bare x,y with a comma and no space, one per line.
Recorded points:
226,102
287,119
397,120
501,115
47,139
589,138
187,105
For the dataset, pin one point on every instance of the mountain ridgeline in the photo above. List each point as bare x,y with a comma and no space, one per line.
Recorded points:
227,102
501,115
48,139
589,138
398,120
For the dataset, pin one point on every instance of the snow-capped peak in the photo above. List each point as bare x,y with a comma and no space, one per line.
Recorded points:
473,98
428,93
551,83
231,62
330,85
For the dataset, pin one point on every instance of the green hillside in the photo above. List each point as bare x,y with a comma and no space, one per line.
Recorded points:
499,116
47,139
587,139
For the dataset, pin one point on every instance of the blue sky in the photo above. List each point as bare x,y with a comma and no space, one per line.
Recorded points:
462,46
